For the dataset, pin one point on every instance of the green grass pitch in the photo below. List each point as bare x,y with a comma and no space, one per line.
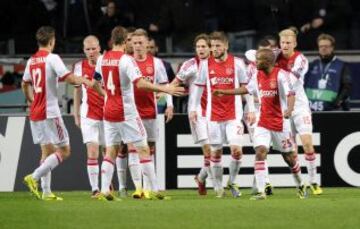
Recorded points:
336,208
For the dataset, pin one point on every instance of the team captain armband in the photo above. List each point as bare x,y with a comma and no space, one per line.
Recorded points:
97,76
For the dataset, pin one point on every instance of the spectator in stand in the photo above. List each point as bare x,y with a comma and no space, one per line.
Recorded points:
276,13
332,17
328,81
183,20
108,21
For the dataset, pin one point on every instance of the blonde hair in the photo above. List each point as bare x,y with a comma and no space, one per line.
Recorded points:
140,32
288,32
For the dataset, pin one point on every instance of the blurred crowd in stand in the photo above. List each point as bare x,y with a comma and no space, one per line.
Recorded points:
179,20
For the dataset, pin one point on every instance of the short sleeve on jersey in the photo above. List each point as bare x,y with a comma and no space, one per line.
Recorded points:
241,71
187,70
27,76
160,72
130,67
285,85
301,66
59,67
77,70
203,73
252,86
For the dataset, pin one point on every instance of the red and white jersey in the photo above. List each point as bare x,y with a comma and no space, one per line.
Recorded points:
119,71
187,74
92,103
152,70
44,69
298,65
273,90
228,74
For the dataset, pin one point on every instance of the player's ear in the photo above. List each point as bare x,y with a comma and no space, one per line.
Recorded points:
52,44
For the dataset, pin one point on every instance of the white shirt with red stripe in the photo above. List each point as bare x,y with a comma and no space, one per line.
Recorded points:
43,70
252,72
228,74
273,90
187,74
92,103
119,71
152,70
298,65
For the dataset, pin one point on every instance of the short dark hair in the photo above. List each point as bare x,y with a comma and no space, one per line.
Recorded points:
44,34
118,35
263,43
270,56
328,37
202,36
219,35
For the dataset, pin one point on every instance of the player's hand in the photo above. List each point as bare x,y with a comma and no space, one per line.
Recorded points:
218,92
287,114
89,83
169,113
250,117
77,120
175,90
193,117
317,22
306,27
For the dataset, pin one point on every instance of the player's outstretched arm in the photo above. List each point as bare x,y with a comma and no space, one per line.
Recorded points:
74,80
169,89
237,91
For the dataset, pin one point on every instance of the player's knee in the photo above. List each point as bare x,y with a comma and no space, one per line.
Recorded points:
308,147
206,150
236,151
65,153
261,152
93,150
111,151
216,149
290,158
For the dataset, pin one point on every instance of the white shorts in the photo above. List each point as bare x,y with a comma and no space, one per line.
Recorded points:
281,141
199,130
301,123
50,131
92,131
130,131
230,132
151,128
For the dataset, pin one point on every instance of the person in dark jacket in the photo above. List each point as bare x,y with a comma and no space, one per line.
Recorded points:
328,81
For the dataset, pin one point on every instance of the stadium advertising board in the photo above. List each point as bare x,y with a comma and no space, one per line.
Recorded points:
336,139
